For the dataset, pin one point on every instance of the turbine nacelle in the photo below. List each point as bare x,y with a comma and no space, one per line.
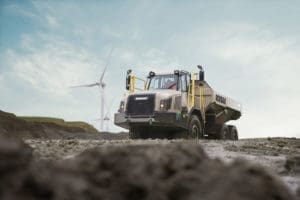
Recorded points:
102,85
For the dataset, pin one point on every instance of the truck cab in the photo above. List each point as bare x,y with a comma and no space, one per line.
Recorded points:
169,105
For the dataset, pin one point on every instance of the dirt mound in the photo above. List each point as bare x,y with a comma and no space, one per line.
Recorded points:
292,164
13,153
173,171
15,160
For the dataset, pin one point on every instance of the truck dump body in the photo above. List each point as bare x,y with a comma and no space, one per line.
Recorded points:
224,108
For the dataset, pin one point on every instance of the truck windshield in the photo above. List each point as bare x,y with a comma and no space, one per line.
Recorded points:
168,81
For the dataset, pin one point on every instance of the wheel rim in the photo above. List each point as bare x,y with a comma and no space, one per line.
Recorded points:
195,131
225,134
235,135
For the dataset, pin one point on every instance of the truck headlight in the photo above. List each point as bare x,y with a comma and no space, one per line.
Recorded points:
165,104
122,107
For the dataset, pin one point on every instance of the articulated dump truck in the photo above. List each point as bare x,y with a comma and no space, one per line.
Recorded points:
179,104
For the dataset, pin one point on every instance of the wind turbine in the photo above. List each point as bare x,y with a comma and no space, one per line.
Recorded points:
101,86
107,115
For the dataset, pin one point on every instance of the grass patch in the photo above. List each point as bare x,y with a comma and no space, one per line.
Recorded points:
76,124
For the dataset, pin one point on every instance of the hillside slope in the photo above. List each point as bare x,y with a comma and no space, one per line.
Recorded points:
41,127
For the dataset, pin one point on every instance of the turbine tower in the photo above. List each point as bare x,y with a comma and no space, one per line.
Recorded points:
101,86
107,115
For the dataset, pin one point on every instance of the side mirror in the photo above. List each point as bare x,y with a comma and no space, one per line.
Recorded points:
201,76
151,74
201,73
128,77
128,82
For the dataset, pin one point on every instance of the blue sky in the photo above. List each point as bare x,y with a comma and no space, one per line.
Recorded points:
250,51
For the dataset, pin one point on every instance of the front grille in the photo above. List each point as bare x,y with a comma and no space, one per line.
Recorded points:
140,105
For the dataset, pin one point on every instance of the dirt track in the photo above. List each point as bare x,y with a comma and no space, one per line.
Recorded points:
278,155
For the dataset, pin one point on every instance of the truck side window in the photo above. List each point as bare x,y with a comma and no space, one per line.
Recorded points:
156,83
183,83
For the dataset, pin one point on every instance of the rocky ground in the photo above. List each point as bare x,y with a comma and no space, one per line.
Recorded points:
279,156
50,161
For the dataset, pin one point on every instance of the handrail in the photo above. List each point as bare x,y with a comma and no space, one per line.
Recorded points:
132,84
191,96
202,103
191,93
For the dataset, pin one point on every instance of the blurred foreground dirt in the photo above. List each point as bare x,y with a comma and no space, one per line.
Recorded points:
148,169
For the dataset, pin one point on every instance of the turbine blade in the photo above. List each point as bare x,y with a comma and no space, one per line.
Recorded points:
85,85
108,59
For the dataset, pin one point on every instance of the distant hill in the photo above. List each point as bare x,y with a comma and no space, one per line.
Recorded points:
42,127
73,124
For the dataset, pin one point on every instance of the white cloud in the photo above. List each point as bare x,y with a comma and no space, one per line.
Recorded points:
271,65
38,14
270,60
27,42
107,30
253,46
144,60
16,9
52,21
52,67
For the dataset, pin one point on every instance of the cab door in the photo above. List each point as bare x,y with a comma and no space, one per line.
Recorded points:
183,83
181,102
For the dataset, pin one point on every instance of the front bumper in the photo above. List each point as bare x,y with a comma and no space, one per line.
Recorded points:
159,119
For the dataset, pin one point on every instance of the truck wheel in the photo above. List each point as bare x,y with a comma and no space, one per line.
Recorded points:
134,134
180,134
234,133
195,128
224,133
